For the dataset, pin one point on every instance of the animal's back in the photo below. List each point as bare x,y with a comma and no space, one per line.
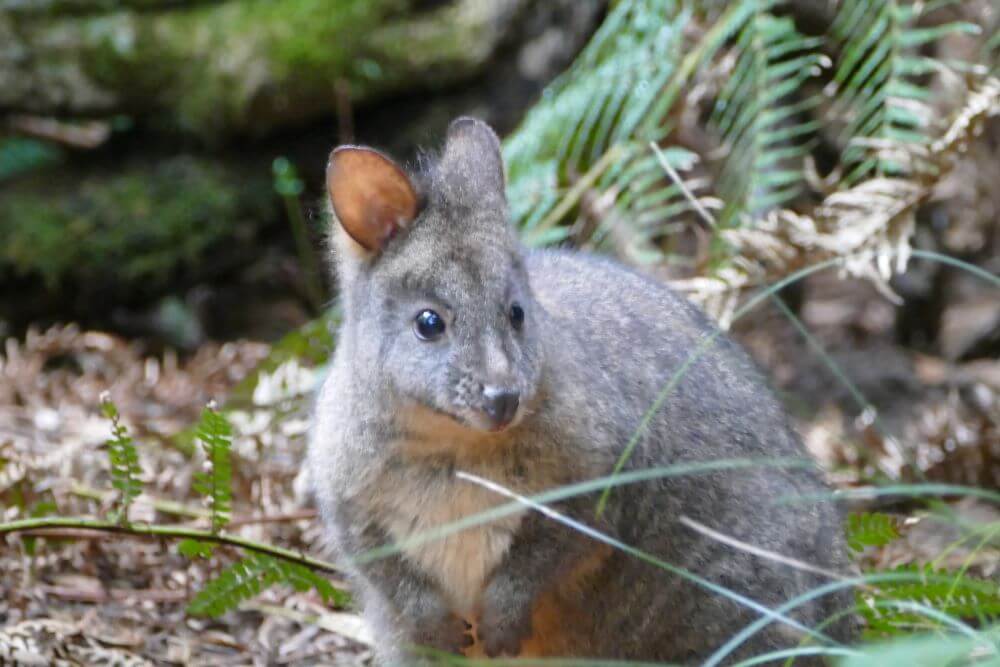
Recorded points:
631,338
634,336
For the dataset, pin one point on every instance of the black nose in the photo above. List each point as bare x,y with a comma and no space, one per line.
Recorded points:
501,405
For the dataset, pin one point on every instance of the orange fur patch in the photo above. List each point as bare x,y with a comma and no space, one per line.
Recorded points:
553,613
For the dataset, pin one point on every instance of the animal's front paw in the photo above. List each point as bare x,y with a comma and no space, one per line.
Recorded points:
503,624
443,631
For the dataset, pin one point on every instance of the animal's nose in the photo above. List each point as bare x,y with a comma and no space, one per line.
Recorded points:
501,405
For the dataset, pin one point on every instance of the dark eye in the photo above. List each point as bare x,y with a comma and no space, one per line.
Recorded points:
517,316
428,325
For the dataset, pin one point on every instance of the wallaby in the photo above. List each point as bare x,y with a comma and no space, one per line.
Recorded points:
461,351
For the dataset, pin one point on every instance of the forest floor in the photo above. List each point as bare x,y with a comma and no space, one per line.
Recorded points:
902,415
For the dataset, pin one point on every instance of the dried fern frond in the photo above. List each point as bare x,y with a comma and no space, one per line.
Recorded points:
981,104
867,226
759,117
878,80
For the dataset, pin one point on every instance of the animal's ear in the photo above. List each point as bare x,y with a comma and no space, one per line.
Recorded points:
371,195
472,155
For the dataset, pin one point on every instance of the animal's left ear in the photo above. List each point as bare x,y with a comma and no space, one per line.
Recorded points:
472,155
372,196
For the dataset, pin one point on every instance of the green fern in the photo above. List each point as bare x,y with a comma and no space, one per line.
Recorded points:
215,484
957,595
195,548
991,53
592,128
248,577
872,529
21,155
760,119
581,165
878,81
124,460
245,579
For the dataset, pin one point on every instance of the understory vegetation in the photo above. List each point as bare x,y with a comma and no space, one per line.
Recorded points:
806,172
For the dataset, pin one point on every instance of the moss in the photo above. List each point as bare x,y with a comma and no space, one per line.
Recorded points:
233,67
133,231
456,38
264,64
56,7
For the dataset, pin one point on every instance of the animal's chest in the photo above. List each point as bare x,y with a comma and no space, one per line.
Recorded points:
461,561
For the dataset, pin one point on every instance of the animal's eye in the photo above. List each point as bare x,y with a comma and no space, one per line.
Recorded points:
517,316
428,325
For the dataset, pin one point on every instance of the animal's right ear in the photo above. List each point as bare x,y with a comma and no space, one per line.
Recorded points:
371,195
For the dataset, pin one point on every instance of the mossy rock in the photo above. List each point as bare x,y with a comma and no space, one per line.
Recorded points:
130,233
223,68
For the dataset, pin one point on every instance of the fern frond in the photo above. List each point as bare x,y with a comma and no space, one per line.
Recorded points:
758,117
594,124
982,104
124,462
879,80
195,548
215,434
245,579
867,226
870,529
957,595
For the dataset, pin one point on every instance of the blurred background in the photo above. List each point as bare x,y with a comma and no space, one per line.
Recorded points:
162,239
149,147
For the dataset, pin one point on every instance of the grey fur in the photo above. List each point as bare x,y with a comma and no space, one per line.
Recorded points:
398,416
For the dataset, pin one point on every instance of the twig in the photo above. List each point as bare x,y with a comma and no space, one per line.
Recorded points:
67,533
179,509
77,135
312,282
345,112
99,595
706,217
296,515
164,506
579,188
176,532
